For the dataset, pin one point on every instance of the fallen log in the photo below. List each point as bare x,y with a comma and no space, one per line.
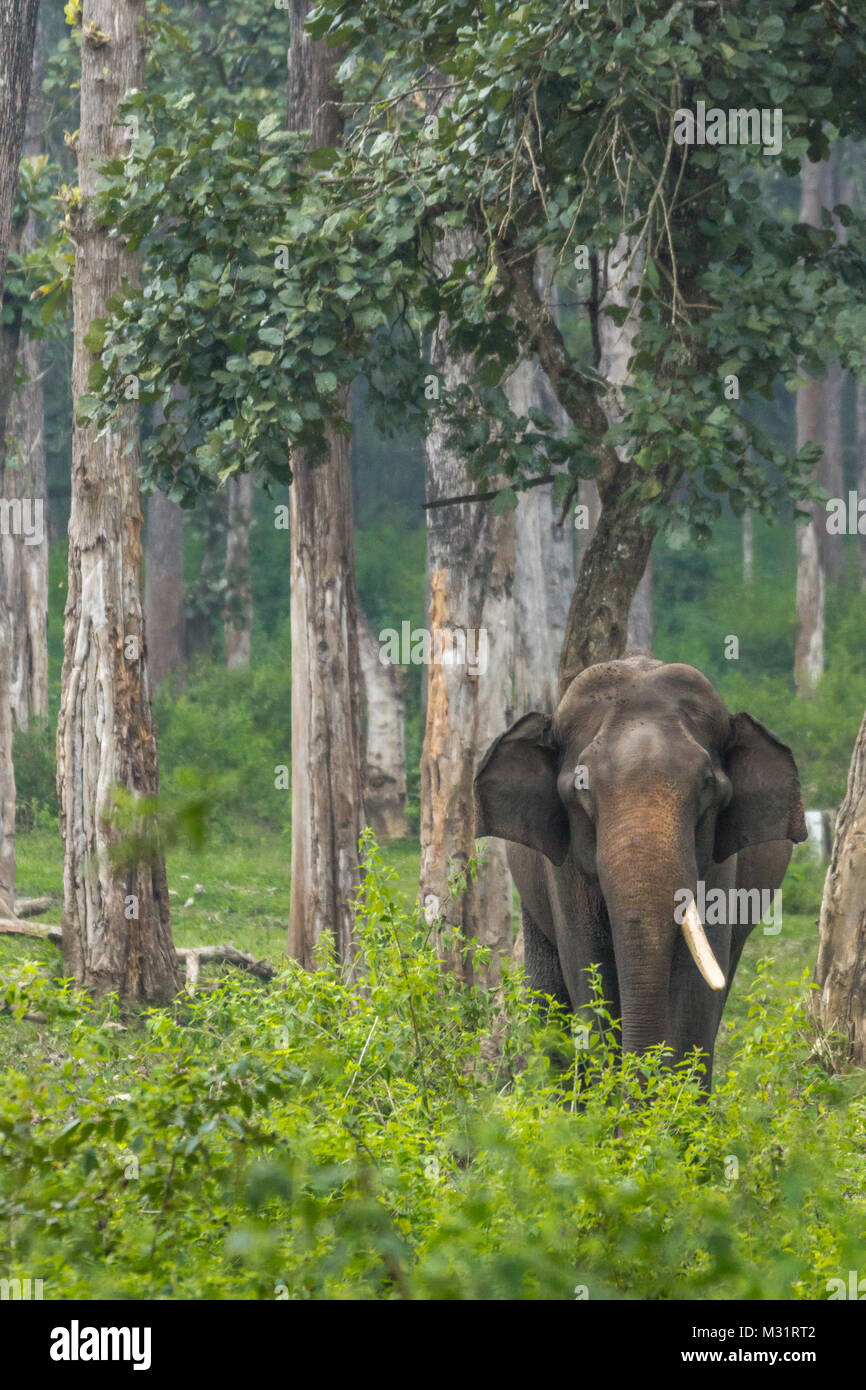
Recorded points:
190,957
28,907
10,926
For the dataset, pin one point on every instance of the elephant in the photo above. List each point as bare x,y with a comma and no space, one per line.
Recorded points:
640,794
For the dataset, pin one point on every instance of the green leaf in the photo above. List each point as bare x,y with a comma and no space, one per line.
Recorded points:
94,338
326,383
323,157
96,377
504,501
86,407
771,29
268,124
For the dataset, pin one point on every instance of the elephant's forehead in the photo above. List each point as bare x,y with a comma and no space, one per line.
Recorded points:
615,691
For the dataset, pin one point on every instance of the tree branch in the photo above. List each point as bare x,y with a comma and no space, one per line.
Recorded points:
487,496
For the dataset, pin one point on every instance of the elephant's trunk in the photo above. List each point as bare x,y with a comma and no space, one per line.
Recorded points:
644,858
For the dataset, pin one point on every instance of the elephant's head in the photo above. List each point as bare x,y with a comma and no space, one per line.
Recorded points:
645,780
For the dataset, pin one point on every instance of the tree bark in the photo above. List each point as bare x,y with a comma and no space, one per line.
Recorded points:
834,550
841,970
616,344
17,38
26,563
748,531
327,796
116,926
7,780
238,627
831,471
543,565
861,470
164,582
470,563
164,594
640,633
809,645
384,739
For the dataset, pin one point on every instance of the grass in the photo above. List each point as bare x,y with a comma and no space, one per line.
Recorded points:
236,893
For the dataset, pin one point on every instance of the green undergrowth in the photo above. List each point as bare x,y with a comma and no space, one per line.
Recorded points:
401,1136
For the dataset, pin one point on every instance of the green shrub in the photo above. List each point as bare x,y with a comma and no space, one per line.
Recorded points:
331,1139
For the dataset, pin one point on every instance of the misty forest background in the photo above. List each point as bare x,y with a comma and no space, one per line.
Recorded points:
300,1133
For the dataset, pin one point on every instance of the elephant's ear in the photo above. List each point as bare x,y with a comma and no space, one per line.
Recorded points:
765,804
515,789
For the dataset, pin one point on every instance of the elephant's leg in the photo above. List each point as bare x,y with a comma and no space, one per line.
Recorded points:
543,971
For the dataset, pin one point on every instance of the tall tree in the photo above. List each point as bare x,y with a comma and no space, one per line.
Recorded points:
620,281
26,565
544,549
470,560
164,585
116,926
809,645
238,621
17,37
164,594
470,569
840,975
384,738
748,542
860,411
327,796
831,468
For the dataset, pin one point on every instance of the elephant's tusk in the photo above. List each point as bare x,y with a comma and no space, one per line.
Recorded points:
702,951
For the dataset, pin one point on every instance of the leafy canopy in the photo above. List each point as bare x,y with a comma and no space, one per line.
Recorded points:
274,279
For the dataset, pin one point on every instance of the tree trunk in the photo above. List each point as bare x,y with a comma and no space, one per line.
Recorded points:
470,563
206,589
641,624
861,470
239,593
809,646
7,780
748,549
24,478
164,581
385,739
164,592
327,797
831,470
116,926
543,565
841,970
616,344
17,38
